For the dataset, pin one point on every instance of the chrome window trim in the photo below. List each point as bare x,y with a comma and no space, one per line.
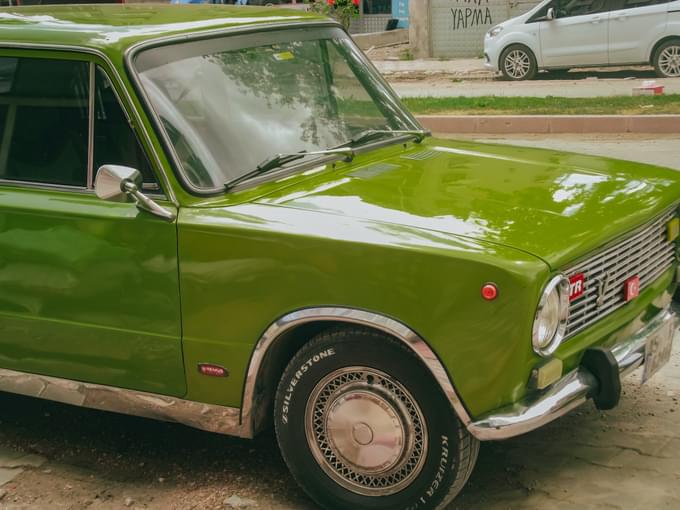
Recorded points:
111,71
90,126
209,417
45,186
251,410
132,51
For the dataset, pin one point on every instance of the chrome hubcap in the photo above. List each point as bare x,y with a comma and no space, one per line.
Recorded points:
517,64
366,431
669,61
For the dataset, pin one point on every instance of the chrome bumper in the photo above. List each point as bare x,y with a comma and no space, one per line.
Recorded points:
566,394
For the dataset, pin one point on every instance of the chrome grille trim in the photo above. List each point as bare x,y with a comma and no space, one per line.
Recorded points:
646,253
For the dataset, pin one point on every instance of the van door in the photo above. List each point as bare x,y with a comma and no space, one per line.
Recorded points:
634,26
577,36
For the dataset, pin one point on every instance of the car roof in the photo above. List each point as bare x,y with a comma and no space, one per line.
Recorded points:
112,28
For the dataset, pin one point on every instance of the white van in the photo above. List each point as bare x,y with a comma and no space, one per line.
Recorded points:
560,34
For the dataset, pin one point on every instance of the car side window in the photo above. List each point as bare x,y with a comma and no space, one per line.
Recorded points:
632,4
43,120
570,8
115,142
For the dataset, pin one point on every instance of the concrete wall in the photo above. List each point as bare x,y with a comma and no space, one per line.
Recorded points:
419,28
456,28
378,39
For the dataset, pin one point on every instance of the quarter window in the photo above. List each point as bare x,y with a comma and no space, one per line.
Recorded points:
43,120
115,142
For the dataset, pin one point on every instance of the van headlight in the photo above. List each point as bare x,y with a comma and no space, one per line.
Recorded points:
550,323
495,31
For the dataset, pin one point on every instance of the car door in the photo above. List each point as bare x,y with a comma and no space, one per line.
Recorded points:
577,36
634,27
88,288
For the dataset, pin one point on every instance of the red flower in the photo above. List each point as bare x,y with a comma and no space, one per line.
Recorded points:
330,2
356,3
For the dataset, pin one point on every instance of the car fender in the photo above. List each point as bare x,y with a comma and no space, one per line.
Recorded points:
530,39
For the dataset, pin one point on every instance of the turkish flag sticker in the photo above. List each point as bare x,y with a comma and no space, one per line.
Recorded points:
576,286
632,287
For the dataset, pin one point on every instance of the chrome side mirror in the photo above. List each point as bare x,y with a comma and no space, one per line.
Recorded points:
550,15
117,183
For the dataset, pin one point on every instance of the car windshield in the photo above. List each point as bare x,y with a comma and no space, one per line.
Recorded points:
227,104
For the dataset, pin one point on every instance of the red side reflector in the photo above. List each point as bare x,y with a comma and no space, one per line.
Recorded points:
632,287
489,292
577,286
212,370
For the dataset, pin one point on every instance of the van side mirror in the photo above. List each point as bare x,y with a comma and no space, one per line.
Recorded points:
117,183
550,15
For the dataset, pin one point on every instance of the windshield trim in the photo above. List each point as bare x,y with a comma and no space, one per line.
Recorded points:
133,51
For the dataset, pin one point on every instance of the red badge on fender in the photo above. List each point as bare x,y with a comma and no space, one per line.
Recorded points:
632,288
577,286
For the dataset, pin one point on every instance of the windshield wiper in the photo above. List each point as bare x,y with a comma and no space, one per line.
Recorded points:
279,160
369,134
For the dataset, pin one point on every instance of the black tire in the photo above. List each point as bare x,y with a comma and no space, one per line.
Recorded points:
518,63
315,412
666,60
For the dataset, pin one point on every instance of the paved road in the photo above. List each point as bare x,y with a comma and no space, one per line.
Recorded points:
588,87
62,457
467,77
662,150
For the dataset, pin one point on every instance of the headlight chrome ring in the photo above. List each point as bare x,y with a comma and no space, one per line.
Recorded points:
550,322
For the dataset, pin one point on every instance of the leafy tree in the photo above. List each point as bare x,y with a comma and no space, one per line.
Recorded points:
342,10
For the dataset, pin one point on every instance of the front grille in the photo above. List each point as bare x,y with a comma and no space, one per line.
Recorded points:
646,253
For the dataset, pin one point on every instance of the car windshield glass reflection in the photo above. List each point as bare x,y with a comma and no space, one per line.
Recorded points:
228,104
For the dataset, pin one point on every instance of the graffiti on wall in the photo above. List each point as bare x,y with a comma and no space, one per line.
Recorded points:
471,14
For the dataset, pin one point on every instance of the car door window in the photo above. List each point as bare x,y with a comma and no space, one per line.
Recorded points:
570,8
632,4
115,142
43,120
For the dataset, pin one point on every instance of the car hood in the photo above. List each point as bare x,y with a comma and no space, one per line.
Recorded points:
556,206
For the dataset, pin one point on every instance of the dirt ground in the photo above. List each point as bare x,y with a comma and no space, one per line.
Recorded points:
62,457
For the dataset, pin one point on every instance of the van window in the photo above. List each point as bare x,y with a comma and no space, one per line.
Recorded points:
570,8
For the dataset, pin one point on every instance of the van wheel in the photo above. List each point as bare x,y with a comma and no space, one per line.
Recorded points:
518,63
361,424
667,59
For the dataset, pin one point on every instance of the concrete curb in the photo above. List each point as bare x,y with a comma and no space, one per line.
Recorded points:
504,124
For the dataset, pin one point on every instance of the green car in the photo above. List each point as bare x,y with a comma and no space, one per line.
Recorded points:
224,217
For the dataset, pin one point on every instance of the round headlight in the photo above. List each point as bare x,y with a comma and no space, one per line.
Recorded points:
550,322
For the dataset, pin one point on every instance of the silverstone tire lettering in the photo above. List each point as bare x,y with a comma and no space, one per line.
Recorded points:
296,378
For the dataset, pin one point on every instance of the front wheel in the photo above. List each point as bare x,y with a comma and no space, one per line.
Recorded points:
667,59
361,424
518,63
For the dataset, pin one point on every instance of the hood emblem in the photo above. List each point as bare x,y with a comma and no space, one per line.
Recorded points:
602,289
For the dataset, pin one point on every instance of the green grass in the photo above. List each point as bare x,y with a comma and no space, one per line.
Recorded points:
494,105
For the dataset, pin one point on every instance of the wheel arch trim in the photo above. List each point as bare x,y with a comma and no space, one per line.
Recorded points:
394,328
